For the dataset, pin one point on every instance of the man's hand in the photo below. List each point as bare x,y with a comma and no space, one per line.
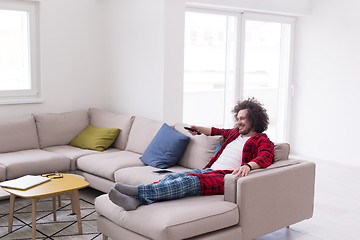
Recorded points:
203,130
241,171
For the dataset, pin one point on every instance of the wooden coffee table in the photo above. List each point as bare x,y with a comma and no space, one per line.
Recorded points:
69,184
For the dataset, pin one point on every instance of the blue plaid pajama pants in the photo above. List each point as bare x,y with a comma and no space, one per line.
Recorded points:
172,186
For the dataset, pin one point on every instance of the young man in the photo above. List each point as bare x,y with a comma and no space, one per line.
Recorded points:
245,148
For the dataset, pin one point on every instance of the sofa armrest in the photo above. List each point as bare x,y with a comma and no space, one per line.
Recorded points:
230,187
230,181
272,199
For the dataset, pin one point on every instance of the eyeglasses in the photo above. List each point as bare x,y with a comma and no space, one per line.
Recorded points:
53,175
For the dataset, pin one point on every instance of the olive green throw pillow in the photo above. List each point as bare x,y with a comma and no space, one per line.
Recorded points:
95,138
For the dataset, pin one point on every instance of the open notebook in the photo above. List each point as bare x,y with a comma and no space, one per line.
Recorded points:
24,182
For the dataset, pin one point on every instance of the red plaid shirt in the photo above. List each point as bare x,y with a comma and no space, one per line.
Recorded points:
258,148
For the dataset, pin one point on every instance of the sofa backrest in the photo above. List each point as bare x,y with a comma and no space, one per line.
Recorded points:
56,129
105,119
19,134
281,151
142,131
200,150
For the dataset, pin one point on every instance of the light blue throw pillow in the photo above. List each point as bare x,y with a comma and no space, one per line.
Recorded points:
217,148
166,148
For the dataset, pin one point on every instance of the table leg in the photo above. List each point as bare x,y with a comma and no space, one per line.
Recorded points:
59,199
72,207
54,207
11,212
34,200
74,195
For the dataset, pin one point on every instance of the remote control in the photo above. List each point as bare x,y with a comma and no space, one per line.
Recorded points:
193,130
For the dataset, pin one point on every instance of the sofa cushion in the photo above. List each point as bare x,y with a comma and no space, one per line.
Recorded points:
56,129
200,149
74,153
19,134
166,148
144,174
281,151
105,164
105,119
95,138
142,131
177,219
34,161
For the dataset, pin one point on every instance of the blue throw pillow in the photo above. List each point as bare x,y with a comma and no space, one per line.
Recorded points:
166,148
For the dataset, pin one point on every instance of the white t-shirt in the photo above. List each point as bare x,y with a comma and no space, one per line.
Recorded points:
231,157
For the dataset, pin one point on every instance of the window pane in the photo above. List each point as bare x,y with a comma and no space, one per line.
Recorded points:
263,61
208,38
14,50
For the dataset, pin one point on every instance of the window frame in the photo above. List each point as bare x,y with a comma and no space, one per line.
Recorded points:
32,95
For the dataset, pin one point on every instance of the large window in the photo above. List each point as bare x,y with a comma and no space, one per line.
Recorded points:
230,57
19,57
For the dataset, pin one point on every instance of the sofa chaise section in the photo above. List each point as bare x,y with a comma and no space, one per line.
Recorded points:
177,219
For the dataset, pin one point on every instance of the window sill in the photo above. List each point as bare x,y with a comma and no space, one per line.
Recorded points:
21,101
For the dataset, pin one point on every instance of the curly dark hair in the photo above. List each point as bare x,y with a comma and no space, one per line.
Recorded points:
256,114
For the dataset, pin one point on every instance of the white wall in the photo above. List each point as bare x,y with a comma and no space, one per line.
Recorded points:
134,43
325,110
70,59
174,60
144,46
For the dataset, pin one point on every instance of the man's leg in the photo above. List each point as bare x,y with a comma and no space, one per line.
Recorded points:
155,192
170,189
127,189
127,202
176,186
133,190
173,176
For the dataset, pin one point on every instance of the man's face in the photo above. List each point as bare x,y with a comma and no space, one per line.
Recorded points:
243,123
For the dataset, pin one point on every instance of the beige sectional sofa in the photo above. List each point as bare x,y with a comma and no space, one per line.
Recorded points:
264,201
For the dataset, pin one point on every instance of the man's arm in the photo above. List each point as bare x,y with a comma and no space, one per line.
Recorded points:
203,130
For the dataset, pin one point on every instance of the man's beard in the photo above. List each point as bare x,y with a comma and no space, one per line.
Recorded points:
244,131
